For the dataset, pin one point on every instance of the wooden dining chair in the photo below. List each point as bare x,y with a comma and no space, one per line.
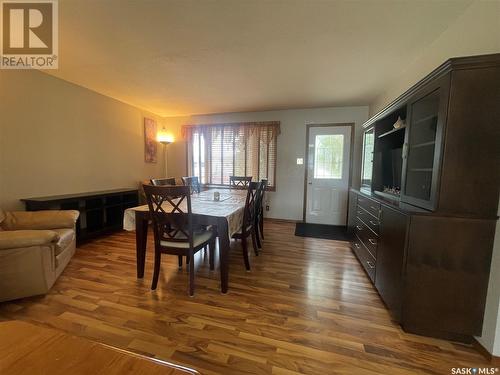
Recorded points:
170,181
193,182
170,210
248,226
259,217
239,182
162,181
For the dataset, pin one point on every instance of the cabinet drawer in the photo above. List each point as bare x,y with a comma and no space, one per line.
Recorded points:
373,224
371,206
368,237
363,215
368,220
364,257
359,227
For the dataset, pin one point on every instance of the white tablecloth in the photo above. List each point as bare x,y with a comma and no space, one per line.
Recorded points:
230,206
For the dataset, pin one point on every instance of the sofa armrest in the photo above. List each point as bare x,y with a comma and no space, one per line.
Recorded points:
50,219
16,239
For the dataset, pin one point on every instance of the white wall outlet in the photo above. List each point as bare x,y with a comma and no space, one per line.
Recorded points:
300,161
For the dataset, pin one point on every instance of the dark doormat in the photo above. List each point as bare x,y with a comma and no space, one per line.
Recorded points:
329,232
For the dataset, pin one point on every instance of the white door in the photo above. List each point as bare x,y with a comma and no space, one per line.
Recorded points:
329,151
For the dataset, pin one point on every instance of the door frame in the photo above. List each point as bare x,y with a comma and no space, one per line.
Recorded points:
306,159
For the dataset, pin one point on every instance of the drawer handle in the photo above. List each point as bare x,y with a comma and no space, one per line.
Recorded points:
373,223
370,264
356,245
358,227
372,241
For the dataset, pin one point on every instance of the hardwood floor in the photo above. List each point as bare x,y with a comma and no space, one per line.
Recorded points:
306,307
22,352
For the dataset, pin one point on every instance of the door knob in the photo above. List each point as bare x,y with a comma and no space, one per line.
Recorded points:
310,183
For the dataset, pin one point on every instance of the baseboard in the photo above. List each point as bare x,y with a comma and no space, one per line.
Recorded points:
274,220
494,360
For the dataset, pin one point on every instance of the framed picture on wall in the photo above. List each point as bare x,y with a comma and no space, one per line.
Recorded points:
150,144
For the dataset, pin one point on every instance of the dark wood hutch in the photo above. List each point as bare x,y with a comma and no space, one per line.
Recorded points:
423,220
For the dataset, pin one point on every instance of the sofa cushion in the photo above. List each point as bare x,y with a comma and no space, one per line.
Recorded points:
49,219
15,239
64,257
65,238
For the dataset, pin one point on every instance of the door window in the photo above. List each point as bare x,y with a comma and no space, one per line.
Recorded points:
328,155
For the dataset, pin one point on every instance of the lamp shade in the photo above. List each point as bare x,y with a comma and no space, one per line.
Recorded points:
164,137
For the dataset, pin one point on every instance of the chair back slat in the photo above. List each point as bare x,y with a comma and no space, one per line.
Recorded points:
260,196
162,181
193,182
170,210
239,181
250,210
260,199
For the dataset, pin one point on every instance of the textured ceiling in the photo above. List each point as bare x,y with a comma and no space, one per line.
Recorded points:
190,57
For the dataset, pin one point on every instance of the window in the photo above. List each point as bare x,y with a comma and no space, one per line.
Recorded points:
328,152
216,152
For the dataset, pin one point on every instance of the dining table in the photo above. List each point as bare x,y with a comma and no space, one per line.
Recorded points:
224,210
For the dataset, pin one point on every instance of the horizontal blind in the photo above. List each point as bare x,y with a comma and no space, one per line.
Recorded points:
239,152
252,153
272,156
219,151
228,154
216,156
263,155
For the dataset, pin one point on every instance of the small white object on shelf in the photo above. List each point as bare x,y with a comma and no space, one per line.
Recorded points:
399,123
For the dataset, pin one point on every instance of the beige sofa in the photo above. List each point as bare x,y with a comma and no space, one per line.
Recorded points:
35,247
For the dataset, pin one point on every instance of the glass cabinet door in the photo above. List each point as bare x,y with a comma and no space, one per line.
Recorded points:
423,147
367,161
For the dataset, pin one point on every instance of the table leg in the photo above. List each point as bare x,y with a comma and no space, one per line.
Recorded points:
141,238
224,245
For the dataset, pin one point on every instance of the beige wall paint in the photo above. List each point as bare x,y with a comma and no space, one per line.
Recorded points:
475,32
56,138
287,201
176,151
490,338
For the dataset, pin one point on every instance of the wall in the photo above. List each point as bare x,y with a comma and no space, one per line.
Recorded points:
475,32
287,201
56,138
490,338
